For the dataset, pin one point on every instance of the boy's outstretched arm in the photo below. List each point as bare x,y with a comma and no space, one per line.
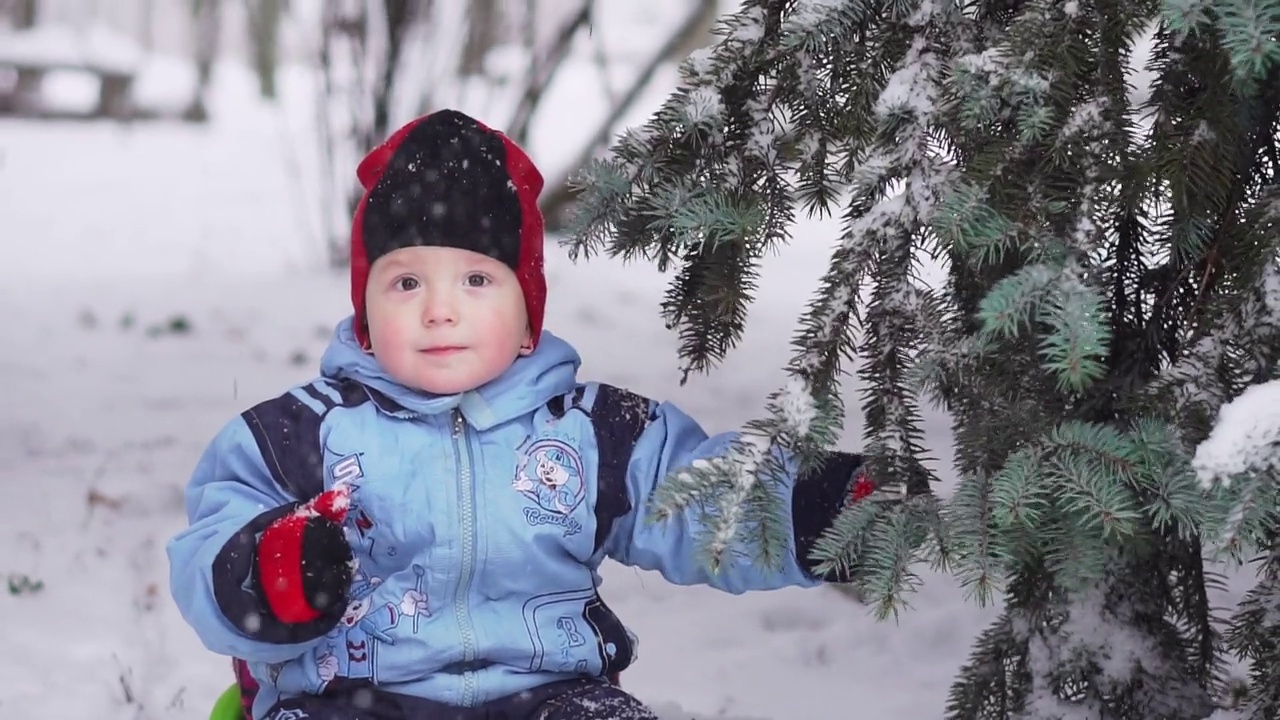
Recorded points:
246,524
642,441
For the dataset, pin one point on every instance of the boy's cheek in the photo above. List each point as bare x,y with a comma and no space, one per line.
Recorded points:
391,338
384,335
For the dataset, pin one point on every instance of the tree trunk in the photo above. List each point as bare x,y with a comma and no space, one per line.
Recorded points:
208,23
400,16
264,33
360,58
146,25
484,20
22,13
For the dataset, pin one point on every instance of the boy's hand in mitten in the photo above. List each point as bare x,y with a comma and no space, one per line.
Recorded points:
304,561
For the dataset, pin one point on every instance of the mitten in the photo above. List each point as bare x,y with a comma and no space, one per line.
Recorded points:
304,561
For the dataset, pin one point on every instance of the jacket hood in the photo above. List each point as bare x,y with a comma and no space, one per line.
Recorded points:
530,382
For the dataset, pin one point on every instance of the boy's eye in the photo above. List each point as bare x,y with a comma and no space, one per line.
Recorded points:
407,283
477,280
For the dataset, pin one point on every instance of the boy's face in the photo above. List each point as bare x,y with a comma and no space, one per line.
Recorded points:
444,320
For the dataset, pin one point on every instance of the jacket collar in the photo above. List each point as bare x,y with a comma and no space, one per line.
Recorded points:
529,383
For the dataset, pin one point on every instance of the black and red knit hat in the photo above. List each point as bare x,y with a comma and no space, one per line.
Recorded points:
447,180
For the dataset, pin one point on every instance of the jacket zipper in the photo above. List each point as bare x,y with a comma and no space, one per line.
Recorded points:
467,529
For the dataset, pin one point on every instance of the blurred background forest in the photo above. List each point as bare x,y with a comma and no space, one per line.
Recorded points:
364,66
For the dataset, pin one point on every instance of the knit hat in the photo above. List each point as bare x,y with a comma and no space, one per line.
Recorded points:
447,180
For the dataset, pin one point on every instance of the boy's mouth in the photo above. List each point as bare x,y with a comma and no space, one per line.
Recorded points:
442,350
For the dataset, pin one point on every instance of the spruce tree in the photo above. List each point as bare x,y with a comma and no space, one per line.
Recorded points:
1112,285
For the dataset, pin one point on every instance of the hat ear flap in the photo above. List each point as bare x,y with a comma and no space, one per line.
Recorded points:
373,165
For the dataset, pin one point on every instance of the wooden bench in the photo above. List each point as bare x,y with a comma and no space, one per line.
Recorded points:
27,56
115,93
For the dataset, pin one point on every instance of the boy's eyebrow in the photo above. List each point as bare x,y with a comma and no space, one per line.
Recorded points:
394,262
483,262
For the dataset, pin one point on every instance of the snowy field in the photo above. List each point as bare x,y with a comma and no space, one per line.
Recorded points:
160,279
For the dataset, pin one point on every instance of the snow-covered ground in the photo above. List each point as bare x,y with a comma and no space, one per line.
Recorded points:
159,279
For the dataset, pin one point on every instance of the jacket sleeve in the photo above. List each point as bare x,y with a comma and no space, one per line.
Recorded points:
233,495
644,450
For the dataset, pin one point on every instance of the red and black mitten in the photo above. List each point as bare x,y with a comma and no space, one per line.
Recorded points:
816,503
304,561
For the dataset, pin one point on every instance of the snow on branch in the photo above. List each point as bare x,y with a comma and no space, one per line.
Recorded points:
1245,439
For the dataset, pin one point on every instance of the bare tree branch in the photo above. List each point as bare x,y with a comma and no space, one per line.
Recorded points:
544,71
556,202
601,58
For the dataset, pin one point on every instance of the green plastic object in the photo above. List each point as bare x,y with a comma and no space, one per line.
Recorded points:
228,705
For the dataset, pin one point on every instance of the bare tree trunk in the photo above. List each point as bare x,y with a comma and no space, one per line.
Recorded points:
146,29
484,21
324,125
342,33
22,13
208,24
400,15
264,34
529,32
360,55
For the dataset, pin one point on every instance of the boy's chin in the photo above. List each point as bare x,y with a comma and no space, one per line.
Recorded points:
447,376
437,384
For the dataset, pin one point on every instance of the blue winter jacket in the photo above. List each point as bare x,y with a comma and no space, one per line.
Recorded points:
478,522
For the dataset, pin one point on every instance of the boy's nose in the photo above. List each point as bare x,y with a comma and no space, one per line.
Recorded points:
440,309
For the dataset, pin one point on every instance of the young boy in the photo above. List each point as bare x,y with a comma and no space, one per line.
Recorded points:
416,534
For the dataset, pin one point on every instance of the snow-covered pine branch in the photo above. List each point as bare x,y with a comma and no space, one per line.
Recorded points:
1110,284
